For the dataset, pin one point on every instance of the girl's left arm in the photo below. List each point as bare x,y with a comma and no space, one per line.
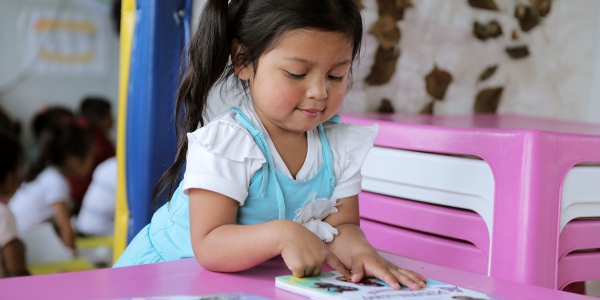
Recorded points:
353,249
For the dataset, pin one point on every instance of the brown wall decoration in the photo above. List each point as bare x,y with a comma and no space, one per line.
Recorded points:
476,56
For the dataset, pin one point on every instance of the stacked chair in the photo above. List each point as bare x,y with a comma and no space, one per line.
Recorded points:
441,208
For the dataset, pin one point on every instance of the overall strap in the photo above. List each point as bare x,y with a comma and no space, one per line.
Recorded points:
327,155
269,167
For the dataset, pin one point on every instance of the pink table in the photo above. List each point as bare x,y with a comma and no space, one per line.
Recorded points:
186,277
529,158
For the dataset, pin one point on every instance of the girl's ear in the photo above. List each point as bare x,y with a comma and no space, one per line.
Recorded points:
241,68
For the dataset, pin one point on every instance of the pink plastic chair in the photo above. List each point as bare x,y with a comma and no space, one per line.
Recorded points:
529,158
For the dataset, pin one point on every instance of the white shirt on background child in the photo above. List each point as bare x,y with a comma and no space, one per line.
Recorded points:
32,203
97,215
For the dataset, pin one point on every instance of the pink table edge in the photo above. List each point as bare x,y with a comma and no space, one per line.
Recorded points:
186,277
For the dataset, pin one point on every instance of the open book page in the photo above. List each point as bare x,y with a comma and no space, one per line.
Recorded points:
333,285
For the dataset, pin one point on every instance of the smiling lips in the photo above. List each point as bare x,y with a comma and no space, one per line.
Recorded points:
311,112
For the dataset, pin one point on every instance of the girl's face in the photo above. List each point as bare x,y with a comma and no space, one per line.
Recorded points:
302,82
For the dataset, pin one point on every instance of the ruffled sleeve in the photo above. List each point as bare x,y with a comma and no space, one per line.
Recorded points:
222,157
350,145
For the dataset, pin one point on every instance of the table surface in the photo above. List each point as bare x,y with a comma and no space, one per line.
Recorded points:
186,277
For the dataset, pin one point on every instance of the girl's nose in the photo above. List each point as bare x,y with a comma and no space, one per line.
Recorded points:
317,90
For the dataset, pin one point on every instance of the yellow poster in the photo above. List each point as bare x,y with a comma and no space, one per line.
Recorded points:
69,43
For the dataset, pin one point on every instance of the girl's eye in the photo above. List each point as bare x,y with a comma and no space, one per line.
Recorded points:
295,76
335,78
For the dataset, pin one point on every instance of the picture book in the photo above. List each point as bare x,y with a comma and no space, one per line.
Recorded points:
333,285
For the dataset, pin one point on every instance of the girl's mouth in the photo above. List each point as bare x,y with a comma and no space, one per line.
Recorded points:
311,112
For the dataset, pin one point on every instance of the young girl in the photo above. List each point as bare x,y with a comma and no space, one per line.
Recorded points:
45,193
277,175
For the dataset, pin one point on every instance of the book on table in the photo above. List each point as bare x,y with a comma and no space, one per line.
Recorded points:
334,285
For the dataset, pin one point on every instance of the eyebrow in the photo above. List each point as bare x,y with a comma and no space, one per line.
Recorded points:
302,60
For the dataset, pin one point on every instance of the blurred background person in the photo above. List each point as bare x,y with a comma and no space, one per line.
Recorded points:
12,249
97,214
94,115
45,194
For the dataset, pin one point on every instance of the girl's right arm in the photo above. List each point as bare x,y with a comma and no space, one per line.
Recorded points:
221,245
63,222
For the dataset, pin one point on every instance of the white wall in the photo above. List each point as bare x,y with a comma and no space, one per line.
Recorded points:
38,91
558,80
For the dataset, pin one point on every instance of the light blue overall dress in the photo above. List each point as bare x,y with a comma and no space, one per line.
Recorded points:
271,196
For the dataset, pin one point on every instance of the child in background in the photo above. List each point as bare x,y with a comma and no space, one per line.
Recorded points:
94,115
277,175
97,215
44,122
44,195
12,250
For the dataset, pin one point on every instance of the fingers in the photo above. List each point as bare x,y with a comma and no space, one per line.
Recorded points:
298,272
317,270
358,272
389,278
416,277
335,263
407,278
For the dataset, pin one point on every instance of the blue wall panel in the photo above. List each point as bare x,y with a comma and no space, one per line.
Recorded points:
161,31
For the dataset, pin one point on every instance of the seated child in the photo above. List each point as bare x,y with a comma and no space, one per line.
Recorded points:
44,196
12,250
97,215
94,115
278,175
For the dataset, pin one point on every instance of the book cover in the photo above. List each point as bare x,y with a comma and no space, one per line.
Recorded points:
333,285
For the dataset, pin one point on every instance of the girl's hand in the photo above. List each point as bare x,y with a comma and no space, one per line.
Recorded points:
370,263
304,253
352,247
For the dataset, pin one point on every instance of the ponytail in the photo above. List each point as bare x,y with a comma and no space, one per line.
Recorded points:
208,54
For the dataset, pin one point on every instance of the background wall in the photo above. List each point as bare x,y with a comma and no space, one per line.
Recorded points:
559,77
25,89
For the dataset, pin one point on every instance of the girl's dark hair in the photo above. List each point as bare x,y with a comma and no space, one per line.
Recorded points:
11,154
256,25
51,119
62,143
94,108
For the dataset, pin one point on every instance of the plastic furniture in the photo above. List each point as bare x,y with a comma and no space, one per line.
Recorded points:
529,159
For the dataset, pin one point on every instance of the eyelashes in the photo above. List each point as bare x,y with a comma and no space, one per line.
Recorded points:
301,76
296,76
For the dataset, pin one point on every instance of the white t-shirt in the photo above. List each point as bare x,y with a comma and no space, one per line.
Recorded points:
97,215
32,203
8,232
222,156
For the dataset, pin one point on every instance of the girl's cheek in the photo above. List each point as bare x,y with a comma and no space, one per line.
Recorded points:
286,95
